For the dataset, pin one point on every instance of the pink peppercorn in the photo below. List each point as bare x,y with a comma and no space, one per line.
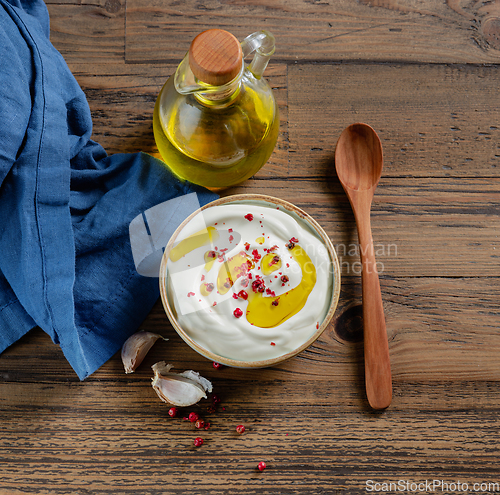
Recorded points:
172,412
193,417
198,442
238,313
261,466
243,294
240,429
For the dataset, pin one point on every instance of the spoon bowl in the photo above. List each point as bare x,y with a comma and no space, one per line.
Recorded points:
358,158
359,161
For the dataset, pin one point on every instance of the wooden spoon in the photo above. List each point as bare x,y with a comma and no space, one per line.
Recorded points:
358,160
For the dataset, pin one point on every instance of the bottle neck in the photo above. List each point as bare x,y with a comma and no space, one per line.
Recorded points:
223,98
186,83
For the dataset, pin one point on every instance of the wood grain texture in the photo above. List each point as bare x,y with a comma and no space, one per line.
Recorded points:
384,30
414,71
88,32
433,120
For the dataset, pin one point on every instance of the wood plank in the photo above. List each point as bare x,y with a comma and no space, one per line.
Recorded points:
384,30
89,33
98,444
433,120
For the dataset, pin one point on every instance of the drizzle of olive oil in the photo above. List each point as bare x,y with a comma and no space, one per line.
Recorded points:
270,263
209,257
204,289
260,310
194,241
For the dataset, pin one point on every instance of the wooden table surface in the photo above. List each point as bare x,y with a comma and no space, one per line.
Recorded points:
426,76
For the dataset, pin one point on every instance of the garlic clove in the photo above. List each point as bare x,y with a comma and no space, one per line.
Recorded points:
193,375
136,347
179,389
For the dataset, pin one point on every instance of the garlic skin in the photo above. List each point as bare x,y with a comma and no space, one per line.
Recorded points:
179,389
136,347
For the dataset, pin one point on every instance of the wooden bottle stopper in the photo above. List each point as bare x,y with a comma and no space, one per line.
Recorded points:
215,57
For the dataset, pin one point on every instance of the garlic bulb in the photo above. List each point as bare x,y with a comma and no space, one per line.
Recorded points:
136,347
179,389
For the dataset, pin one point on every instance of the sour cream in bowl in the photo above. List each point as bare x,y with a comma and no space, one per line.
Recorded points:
249,281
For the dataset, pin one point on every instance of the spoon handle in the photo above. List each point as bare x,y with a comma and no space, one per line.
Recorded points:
376,348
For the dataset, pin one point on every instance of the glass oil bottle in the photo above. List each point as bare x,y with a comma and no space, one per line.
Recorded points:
216,120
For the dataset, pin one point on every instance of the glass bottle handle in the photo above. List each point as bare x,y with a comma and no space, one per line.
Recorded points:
262,43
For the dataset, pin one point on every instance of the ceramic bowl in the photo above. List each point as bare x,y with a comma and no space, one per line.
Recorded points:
298,215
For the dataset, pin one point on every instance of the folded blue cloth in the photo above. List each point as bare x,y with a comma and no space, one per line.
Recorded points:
66,262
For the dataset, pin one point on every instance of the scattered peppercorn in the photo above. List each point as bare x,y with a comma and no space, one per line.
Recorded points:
193,417
261,466
243,294
258,285
172,412
275,260
198,442
200,424
240,429
238,313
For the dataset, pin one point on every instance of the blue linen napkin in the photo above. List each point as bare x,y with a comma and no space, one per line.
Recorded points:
66,263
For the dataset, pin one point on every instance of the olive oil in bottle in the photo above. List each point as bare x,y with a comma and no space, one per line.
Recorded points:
216,121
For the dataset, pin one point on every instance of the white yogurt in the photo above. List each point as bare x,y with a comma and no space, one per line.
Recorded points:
209,318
